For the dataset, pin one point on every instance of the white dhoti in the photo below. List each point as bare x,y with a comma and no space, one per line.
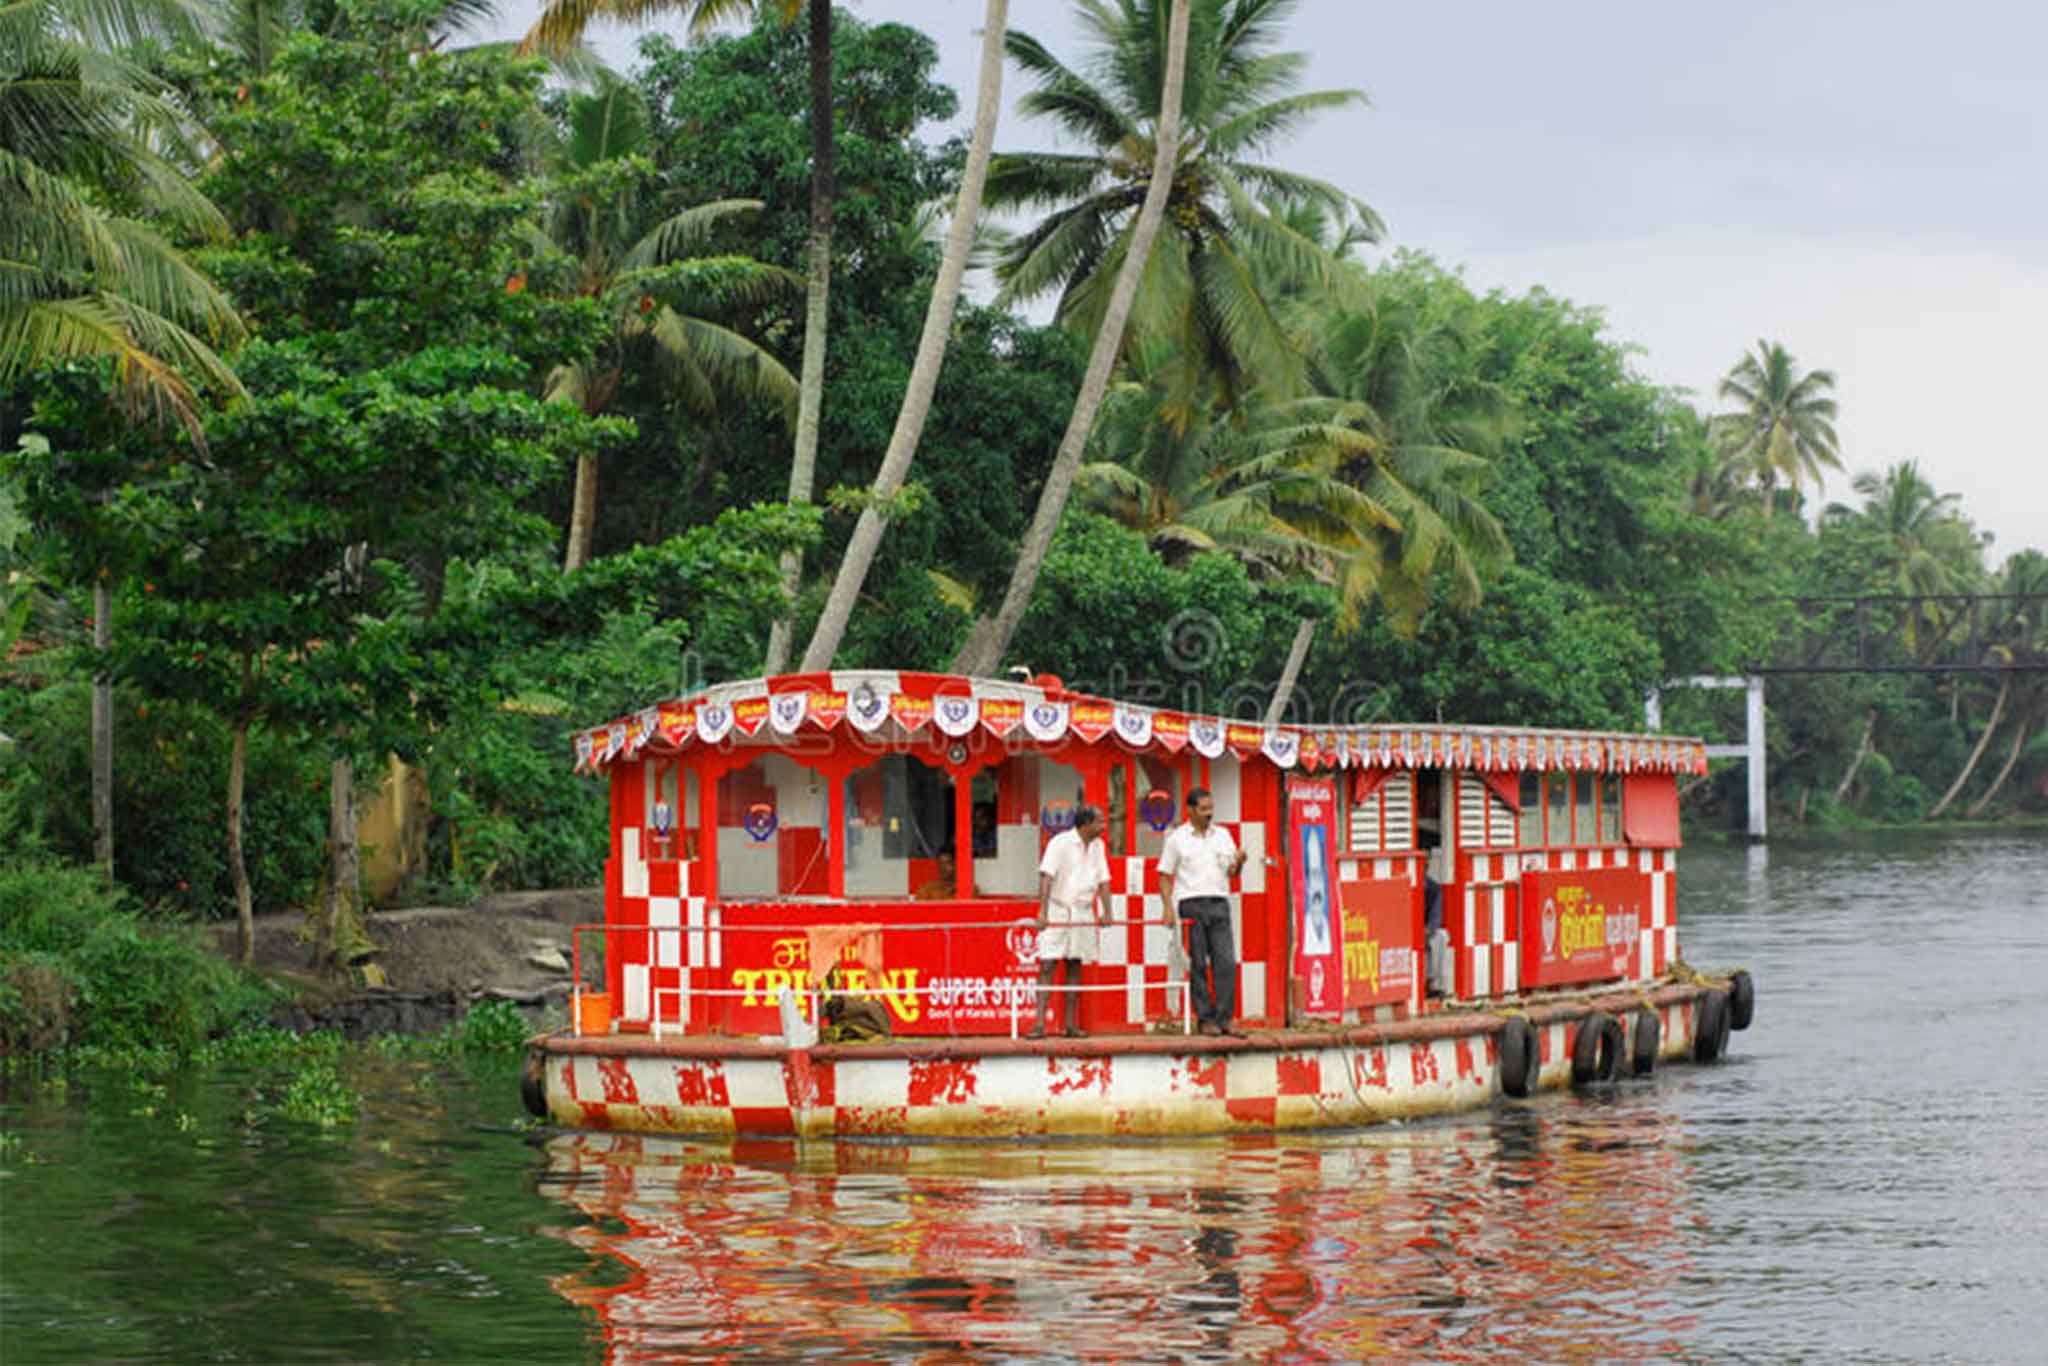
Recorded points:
1069,932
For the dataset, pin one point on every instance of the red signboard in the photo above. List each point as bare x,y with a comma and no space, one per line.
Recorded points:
958,981
1581,927
1379,941
1311,873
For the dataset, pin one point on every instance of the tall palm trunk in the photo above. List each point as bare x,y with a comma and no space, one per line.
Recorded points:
1997,713
931,354
102,730
810,403
582,514
2012,758
340,934
238,867
991,636
1864,749
1303,634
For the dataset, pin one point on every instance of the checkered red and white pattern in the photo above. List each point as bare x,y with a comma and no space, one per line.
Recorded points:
1485,927
1106,1087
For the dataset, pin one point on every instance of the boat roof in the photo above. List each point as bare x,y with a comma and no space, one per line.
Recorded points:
887,705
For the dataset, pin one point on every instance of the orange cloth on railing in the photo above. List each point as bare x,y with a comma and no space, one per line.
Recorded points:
829,942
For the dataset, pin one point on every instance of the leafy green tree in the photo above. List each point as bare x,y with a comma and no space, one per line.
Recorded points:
562,23
1210,287
653,293
1782,429
92,195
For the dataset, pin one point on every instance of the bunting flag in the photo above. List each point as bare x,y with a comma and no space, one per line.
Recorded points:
678,724
955,715
1133,725
786,711
1001,715
957,706
1281,746
910,712
827,709
1046,722
714,721
1092,720
867,708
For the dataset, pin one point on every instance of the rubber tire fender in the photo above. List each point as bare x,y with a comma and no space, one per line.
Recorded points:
1741,999
533,1084
1645,1039
1709,1025
1519,1064
1596,1049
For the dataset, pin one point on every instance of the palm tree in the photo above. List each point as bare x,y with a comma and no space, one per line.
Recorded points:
1784,426
649,288
2025,629
88,188
560,27
991,635
931,352
1929,550
1209,287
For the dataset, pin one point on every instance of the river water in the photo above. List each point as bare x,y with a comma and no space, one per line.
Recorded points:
1865,1178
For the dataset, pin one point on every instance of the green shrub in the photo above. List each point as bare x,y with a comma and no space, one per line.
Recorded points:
80,966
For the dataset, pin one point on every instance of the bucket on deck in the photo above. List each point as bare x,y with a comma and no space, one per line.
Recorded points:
593,1012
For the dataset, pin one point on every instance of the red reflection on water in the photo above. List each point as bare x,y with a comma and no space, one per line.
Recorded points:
1557,1229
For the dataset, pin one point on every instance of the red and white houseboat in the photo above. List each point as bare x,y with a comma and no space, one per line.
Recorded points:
890,825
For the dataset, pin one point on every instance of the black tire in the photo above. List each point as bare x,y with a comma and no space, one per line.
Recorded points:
533,1084
1709,1025
1741,1000
1596,1049
1519,1066
1644,1042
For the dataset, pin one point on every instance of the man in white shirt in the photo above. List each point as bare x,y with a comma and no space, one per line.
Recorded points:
1195,870
1071,879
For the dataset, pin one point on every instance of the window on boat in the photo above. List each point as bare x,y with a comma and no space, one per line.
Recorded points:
672,813
1584,806
899,821
1380,812
771,830
1531,830
1160,791
1484,816
1557,789
1610,808
1027,799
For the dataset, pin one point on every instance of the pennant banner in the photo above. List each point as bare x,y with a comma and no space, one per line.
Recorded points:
955,715
1001,715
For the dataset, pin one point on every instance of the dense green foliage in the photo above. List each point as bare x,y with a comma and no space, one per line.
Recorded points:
1486,511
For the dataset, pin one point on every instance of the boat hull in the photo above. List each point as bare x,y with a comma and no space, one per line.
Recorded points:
1113,1086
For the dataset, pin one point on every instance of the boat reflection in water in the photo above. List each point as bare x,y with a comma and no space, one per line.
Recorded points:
1560,1227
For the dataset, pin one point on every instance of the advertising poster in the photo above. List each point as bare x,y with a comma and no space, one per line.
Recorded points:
1581,927
1311,874
962,982
1379,941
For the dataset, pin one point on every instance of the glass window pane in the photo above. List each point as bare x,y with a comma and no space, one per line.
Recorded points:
1559,788
1584,830
1610,809
1531,830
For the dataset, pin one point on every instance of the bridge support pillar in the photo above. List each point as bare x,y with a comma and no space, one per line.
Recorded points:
1750,751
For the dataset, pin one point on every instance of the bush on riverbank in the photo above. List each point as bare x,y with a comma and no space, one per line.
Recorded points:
80,965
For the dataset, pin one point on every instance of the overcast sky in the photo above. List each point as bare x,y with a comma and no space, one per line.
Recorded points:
1863,181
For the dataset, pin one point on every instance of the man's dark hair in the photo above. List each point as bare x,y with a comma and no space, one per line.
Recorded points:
1195,797
1085,815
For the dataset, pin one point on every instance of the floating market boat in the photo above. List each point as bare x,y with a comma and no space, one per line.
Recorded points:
797,850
